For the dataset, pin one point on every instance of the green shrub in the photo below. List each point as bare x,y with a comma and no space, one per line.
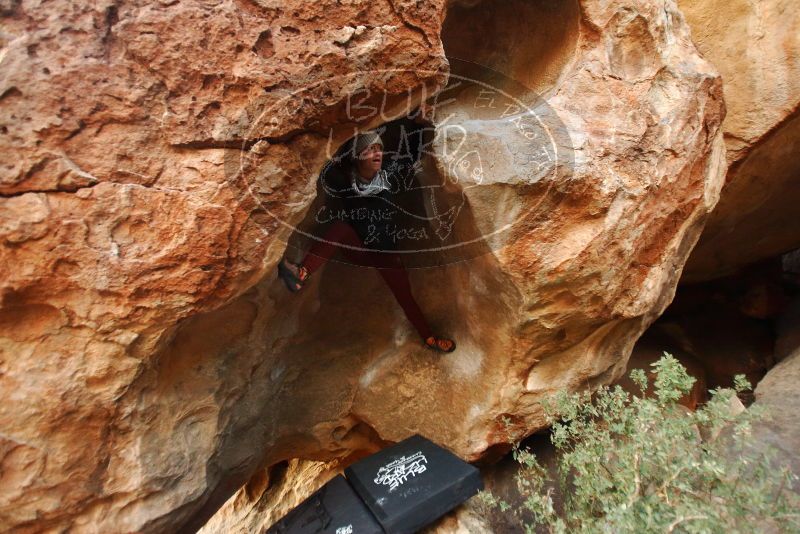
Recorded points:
643,463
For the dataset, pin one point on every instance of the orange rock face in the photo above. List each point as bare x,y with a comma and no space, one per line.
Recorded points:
756,47
162,152
120,227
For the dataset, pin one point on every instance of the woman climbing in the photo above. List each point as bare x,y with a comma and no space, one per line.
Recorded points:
365,237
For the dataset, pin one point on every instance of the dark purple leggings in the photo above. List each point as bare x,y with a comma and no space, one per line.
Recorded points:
389,265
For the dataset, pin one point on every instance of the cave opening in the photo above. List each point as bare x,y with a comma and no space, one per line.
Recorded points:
409,217
375,207
445,215
741,323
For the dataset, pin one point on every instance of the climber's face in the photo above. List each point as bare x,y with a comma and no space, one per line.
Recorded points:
370,159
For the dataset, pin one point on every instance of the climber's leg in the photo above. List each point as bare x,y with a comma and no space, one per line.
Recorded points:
390,266
323,249
397,280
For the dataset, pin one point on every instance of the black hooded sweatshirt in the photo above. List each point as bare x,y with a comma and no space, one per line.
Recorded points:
378,216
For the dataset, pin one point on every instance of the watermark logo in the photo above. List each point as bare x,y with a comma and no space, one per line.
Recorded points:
396,473
449,179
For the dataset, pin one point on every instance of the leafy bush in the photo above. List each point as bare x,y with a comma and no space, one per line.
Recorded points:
643,463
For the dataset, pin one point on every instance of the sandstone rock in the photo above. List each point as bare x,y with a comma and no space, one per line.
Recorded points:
549,264
756,47
778,393
255,509
120,225
151,363
788,330
557,302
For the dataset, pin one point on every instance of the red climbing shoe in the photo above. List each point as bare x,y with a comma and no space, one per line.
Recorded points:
293,282
441,344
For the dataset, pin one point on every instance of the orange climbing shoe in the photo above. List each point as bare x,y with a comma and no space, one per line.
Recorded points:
293,282
441,344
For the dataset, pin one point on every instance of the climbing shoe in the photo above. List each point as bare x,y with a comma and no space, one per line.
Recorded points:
293,282
441,344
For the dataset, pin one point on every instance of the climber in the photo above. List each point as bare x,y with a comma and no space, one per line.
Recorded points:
363,232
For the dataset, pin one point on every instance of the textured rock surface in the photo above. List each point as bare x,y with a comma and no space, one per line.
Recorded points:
271,495
788,330
122,406
562,299
150,362
778,393
756,47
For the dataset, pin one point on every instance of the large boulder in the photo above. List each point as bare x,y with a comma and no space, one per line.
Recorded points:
777,394
779,433
756,47
163,152
555,302
132,322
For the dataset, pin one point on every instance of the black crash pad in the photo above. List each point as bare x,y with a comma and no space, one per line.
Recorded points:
412,483
333,509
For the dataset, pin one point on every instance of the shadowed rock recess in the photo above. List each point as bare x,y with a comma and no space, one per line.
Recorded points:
151,364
